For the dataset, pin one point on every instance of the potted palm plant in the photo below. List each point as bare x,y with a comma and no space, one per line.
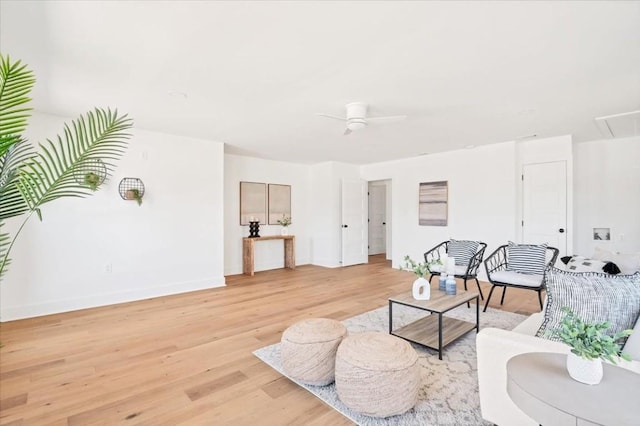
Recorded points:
30,177
589,346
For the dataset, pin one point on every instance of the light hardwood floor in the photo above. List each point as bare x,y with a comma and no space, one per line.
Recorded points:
187,359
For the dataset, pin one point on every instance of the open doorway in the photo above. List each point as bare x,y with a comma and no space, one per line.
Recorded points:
380,218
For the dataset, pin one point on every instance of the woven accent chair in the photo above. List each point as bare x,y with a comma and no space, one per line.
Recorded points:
464,272
499,275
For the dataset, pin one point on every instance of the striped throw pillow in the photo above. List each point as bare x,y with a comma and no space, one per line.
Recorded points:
462,251
527,258
594,297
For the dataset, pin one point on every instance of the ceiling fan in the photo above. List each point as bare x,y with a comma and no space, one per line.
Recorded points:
356,117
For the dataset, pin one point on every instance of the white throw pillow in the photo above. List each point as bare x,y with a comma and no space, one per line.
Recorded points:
629,263
583,264
603,254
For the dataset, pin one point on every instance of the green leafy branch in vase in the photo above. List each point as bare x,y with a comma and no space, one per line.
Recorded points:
589,341
285,221
421,269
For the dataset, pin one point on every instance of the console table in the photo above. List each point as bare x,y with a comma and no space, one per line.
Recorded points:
539,384
248,245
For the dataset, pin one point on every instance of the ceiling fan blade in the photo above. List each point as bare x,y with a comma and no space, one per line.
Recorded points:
331,116
388,119
347,131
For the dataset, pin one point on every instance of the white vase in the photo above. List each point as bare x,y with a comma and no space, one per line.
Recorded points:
284,230
421,289
451,266
583,370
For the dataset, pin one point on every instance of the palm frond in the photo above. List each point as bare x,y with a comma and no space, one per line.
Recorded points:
16,81
10,197
5,243
100,134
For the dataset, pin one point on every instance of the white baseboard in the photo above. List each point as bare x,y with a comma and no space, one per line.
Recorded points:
55,307
327,263
263,266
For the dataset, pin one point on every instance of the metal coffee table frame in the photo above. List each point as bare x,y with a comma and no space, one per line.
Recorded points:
435,331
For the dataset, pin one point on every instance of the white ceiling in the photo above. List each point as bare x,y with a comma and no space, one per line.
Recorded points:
255,73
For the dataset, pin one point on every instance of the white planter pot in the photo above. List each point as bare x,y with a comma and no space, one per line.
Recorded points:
284,230
421,289
587,371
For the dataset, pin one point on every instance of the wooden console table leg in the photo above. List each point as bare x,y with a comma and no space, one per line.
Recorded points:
289,253
247,256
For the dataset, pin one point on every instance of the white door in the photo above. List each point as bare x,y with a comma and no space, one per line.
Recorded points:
544,212
354,222
377,219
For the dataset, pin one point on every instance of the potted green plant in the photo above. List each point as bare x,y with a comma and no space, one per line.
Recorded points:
92,180
421,286
133,194
284,222
32,175
589,346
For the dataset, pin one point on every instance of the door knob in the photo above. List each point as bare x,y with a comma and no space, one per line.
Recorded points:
561,230
384,223
345,226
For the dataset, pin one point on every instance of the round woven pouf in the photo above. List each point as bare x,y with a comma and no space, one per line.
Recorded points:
377,374
309,348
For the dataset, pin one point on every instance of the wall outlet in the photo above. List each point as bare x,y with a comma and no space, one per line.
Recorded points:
109,268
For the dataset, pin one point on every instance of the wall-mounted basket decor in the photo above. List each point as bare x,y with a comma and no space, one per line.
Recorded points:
91,173
131,189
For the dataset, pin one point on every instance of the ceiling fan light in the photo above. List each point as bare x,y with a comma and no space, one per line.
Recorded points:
354,125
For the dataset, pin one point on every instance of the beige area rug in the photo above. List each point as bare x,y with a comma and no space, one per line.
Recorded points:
449,393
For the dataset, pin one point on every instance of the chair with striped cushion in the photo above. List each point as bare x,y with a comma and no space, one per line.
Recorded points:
519,266
468,256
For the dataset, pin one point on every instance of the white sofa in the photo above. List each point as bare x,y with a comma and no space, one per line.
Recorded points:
495,347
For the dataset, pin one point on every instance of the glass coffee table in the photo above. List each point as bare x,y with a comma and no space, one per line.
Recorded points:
435,331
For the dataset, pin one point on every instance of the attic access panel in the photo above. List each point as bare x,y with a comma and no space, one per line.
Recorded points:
622,125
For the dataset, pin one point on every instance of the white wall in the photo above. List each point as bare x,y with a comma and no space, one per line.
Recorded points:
268,254
103,250
482,189
179,239
607,194
326,187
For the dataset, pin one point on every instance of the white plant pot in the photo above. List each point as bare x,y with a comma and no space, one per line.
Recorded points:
284,230
421,289
587,371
